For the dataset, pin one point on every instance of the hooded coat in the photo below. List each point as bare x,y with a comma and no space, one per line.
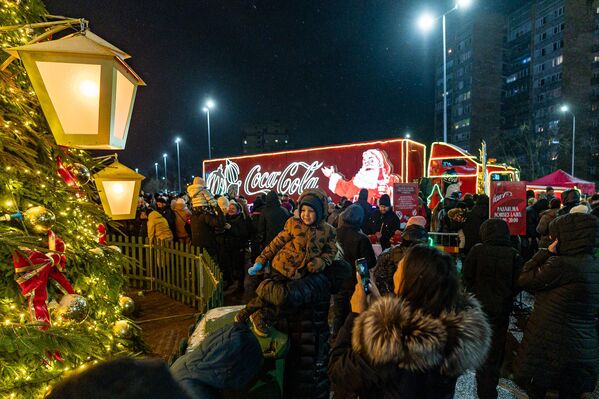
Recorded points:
354,243
181,216
560,342
492,268
394,351
158,228
543,226
272,218
300,247
474,219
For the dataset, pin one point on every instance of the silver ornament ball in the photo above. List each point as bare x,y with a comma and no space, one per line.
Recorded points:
127,305
122,329
39,219
80,172
73,307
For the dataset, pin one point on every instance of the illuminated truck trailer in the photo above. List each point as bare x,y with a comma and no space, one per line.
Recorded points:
339,170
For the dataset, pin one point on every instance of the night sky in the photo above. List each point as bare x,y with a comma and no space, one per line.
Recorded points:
330,71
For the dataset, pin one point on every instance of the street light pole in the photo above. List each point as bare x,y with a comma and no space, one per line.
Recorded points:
165,175
156,166
209,105
177,141
444,81
426,22
208,121
566,109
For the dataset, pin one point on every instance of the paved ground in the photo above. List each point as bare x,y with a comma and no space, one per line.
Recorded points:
164,322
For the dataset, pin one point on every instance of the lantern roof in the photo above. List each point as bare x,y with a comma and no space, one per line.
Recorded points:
117,170
87,43
83,44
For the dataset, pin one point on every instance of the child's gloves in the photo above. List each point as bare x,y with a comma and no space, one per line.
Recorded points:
252,271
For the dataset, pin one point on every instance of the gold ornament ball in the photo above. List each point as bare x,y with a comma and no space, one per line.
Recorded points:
122,329
127,304
80,172
39,219
73,307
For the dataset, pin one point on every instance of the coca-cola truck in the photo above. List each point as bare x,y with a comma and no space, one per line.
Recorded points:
339,170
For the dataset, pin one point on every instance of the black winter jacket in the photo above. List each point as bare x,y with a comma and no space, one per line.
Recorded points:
560,340
272,219
304,306
392,351
492,268
204,221
385,223
474,219
367,210
355,245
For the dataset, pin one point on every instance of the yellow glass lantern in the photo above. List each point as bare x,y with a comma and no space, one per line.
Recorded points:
119,188
85,89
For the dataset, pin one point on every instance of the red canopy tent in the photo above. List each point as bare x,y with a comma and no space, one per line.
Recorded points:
561,181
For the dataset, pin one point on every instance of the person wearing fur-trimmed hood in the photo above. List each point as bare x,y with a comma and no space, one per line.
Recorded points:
415,344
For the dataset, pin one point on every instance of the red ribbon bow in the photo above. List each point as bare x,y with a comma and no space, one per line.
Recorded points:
34,269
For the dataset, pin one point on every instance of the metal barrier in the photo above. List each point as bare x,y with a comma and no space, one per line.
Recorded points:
180,271
446,242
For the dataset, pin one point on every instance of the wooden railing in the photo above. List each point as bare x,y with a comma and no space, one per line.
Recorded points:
180,271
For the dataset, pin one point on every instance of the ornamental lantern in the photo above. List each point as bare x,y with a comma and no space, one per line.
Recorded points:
85,89
118,187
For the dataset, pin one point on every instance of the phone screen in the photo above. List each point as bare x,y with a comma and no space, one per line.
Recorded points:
362,268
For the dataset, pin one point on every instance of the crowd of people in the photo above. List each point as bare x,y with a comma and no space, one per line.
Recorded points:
414,323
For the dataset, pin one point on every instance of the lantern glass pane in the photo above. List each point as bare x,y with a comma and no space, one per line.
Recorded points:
119,195
124,97
74,90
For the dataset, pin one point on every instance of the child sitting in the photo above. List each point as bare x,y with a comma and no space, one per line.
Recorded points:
306,245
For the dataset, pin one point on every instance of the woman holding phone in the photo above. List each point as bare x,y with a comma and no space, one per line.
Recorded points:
414,344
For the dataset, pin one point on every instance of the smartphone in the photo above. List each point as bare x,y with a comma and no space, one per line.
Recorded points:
362,269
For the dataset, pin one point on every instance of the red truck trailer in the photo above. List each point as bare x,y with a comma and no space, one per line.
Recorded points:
339,170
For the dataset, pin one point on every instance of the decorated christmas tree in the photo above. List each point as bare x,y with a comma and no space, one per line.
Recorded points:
60,287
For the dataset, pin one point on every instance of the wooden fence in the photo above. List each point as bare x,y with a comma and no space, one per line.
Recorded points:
180,271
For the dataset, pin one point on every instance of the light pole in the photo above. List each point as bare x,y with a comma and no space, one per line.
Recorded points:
165,176
209,105
426,22
177,141
566,109
156,166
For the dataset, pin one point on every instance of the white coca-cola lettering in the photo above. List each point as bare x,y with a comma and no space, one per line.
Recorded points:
286,182
499,197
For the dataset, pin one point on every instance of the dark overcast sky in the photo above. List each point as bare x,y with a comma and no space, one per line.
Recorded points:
331,71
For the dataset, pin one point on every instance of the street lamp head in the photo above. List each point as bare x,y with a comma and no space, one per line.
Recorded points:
155,163
178,140
205,109
564,108
209,104
463,3
426,22
408,135
164,155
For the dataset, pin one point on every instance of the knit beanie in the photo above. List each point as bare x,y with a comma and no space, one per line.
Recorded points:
385,200
353,215
315,203
555,203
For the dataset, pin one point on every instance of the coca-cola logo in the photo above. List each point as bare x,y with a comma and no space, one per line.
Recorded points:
294,179
225,179
501,196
